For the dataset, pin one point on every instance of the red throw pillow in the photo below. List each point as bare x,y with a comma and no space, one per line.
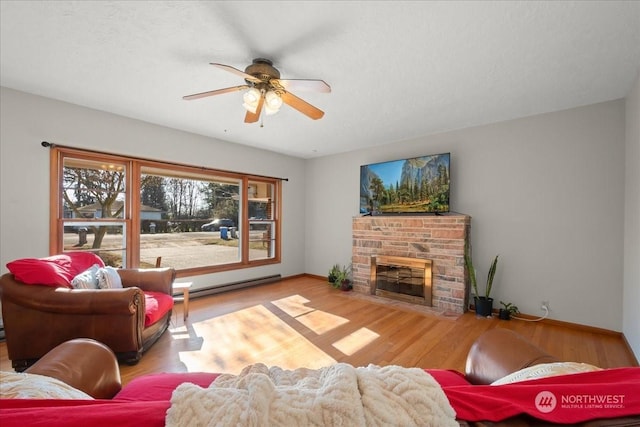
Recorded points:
81,261
51,271
56,270
156,304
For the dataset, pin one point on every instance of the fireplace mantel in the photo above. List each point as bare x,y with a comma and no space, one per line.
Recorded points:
440,239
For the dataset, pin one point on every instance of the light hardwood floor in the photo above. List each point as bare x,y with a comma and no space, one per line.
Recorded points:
304,322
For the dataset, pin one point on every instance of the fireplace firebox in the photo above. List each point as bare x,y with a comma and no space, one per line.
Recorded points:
401,278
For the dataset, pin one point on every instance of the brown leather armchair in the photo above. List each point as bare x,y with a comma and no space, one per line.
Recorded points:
38,318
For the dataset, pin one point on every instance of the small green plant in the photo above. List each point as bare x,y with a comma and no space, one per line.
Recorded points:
510,308
339,276
472,272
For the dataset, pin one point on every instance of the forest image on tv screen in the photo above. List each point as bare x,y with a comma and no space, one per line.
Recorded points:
417,185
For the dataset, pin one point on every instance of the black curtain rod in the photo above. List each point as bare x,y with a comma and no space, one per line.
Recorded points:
46,144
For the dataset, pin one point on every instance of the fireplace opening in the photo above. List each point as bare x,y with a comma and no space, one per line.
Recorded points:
405,279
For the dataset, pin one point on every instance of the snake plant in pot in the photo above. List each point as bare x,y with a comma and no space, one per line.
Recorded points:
483,303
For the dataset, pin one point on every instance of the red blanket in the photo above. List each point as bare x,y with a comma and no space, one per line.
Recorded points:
573,398
564,399
81,413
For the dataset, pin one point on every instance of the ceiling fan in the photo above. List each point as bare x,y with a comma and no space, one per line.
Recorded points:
265,90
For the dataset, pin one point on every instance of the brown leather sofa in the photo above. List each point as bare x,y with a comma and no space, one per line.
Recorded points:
84,364
38,318
500,352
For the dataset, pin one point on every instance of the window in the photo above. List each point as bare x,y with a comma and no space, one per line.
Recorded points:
190,220
262,226
133,212
93,202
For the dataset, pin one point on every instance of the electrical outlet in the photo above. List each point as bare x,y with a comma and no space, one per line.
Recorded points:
544,306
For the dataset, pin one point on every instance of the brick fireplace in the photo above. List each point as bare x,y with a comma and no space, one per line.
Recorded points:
439,239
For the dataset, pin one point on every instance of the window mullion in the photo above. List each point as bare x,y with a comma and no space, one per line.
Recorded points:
133,217
244,221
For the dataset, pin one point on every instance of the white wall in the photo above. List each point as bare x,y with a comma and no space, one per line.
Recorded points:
631,319
26,120
545,192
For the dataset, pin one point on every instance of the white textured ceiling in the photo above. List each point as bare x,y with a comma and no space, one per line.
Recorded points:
398,70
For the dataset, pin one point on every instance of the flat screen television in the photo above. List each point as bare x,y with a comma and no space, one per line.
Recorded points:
419,185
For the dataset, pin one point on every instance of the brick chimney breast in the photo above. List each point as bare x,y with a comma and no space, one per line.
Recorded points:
439,238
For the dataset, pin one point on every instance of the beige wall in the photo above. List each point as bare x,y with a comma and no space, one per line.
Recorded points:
545,192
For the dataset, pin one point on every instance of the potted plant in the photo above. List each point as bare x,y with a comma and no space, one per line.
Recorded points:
508,310
483,303
338,277
333,274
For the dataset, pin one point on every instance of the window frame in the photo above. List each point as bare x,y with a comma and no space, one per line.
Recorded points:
132,216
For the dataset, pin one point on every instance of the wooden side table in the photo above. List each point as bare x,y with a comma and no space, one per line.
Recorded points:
183,288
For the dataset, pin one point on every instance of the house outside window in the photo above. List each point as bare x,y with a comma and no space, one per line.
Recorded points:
135,213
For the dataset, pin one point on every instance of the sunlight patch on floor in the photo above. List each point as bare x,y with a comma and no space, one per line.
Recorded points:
321,322
250,336
318,321
294,306
356,341
179,333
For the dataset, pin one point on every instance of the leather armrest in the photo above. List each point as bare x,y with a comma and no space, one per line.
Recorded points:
71,301
84,364
149,279
500,352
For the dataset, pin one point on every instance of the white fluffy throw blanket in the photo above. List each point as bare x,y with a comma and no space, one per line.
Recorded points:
338,395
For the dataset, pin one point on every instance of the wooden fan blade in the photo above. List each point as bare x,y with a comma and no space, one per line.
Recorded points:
304,85
254,117
303,106
237,72
214,92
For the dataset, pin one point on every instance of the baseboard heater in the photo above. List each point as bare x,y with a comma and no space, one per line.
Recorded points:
235,285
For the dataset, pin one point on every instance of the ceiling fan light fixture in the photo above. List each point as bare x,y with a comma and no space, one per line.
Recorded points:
270,111
264,91
273,100
251,96
252,108
251,99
